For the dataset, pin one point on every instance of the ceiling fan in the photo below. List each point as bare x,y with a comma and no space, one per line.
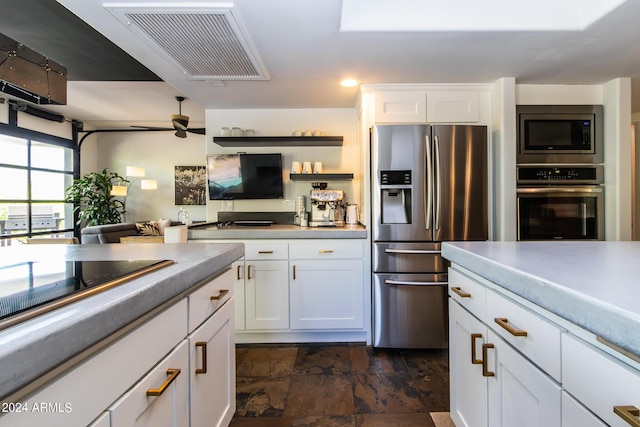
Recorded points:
180,123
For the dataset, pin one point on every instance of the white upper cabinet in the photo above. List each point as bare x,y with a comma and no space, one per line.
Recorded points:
453,107
401,107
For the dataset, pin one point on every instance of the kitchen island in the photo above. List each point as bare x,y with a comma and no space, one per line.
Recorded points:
544,331
275,231
42,352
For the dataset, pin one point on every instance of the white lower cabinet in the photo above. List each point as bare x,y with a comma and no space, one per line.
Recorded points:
327,294
212,374
161,398
576,415
266,294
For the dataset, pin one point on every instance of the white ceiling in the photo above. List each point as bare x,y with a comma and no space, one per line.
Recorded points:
306,54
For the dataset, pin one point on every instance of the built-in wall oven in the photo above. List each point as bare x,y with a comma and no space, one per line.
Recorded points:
560,202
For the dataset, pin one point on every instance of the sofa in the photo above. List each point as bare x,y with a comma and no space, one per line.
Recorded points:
111,233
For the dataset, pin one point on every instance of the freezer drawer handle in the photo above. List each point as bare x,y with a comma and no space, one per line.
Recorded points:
411,251
460,292
172,374
629,414
504,323
413,283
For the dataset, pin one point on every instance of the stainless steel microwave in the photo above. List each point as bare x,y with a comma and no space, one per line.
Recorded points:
560,134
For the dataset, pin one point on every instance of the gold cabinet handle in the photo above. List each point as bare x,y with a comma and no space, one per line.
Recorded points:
294,272
238,272
203,345
485,369
172,374
248,272
504,322
325,251
460,292
222,293
474,357
265,252
629,414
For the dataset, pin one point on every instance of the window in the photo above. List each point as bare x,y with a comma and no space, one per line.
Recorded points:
33,177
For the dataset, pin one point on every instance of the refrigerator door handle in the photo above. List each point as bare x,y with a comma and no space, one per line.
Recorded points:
438,213
413,283
411,251
429,199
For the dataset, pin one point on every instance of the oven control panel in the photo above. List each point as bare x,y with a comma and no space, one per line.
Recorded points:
560,174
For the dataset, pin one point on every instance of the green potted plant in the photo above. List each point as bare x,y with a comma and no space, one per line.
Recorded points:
94,201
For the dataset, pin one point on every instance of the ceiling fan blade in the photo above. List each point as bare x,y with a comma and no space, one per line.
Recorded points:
199,131
151,128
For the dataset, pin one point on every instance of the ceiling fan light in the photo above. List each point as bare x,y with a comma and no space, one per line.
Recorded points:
181,133
180,122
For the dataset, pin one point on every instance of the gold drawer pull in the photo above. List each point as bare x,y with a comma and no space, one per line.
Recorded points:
474,357
222,293
248,272
238,270
325,251
485,369
294,272
202,370
173,373
265,252
629,414
504,322
460,292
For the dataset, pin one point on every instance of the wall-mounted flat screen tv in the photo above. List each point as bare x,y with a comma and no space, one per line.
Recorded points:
245,176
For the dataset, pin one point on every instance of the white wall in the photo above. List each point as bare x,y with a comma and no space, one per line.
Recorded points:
158,153
282,122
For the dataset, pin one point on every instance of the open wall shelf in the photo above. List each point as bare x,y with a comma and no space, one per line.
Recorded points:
320,176
278,141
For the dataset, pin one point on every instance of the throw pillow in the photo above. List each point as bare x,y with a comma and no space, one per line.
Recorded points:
150,228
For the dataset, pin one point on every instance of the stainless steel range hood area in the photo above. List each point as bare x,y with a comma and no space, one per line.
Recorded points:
28,75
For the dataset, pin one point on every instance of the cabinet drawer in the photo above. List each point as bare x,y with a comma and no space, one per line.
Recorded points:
597,380
93,385
574,414
537,339
266,250
326,249
209,298
468,293
170,407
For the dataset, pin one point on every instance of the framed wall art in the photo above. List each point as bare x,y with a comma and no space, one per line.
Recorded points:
191,185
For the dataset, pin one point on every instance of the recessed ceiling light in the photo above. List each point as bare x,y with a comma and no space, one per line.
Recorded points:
349,83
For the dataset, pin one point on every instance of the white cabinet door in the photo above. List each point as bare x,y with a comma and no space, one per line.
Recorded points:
239,297
161,398
574,414
468,386
327,294
267,294
401,107
103,420
519,393
453,107
213,370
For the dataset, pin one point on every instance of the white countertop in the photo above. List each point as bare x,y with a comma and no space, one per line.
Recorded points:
276,231
34,347
595,285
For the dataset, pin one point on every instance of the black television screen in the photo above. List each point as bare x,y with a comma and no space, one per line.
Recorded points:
244,176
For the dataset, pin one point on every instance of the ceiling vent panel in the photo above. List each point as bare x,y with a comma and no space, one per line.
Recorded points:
205,44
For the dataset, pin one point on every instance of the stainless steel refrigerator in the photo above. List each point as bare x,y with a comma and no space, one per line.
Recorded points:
429,185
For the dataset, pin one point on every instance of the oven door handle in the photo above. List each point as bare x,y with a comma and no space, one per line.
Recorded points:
413,283
412,251
559,190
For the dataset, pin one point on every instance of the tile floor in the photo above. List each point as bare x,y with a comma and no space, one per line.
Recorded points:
339,385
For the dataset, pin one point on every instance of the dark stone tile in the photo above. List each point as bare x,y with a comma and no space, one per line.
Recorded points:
434,390
258,422
394,394
322,360
319,395
394,420
261,397
267,362
326,421
427,361
368,360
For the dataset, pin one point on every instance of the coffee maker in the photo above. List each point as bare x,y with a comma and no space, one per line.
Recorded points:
327,208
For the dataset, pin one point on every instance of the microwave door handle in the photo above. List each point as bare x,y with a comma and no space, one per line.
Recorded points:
559,190
584,219
429,185
436,145
412,251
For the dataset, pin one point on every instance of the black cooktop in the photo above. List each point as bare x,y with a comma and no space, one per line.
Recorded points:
28,289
